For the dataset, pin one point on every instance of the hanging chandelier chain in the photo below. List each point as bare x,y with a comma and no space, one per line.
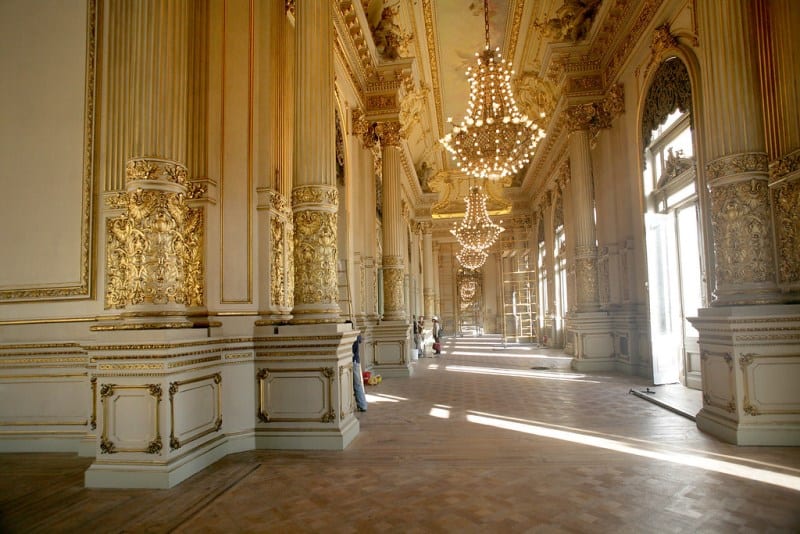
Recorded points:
486,20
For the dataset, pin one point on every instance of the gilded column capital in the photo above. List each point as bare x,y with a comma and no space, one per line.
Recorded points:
426,227
319,196
154,169
738,165
389,133
595,116
363,129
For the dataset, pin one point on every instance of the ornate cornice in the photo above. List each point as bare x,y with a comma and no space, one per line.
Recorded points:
595,116
389,133
726,166
624,49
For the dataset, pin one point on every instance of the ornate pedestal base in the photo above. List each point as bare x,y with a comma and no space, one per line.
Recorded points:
157,407
393,344
591,333
750,373
304,387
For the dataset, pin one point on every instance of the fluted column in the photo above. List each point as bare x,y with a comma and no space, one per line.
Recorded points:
427,269
583,236
737,170
437,291
154,254
273,163
777,22
314,195
393,262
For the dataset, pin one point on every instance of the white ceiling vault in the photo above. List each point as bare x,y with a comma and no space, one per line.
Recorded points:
563,52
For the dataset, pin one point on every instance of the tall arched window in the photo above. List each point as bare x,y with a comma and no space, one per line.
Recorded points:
674,233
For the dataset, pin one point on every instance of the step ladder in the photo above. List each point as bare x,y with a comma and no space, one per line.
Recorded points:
345,299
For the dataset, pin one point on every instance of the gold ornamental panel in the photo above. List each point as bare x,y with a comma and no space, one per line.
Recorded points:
315,252
786,214
154,252
742,239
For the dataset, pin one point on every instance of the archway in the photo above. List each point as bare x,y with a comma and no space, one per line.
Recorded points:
674,234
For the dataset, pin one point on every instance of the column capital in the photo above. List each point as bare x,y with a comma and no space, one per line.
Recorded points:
389,133
594,116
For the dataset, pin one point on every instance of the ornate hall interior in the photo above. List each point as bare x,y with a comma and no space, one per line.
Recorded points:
205,202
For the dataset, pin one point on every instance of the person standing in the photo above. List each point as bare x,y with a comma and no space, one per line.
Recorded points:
437,333
358,379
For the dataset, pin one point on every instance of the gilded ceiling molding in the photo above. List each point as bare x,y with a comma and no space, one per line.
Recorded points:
433,61
391,41
572,21
535,95
516,22
641,23
595,116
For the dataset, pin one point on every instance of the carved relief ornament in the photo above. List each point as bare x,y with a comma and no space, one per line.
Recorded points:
786,206
154,252
742,241
315,253
595,116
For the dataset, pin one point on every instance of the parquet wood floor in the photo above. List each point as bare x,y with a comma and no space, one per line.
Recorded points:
475,441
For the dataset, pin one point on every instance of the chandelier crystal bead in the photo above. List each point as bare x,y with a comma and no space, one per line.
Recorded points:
494,140
476,231
471,259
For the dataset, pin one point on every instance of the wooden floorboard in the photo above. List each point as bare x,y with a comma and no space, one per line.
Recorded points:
475,441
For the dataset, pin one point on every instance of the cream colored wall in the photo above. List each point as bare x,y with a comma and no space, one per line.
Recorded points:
42,136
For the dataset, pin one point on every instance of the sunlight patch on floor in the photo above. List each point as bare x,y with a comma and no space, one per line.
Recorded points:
383,397
678,457
547,375
504,355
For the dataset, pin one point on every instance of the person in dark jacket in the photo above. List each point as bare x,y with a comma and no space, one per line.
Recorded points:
358,379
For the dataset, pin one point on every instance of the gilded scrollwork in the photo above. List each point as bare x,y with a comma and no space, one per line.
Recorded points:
393,289
586,280
389,133
277,273
748,162
154,251
313,194
315,251
786,213
571,22
742,240
155,169
786,166
670,89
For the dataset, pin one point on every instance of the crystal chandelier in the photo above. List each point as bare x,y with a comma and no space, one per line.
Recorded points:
494,140
471,259
476,231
